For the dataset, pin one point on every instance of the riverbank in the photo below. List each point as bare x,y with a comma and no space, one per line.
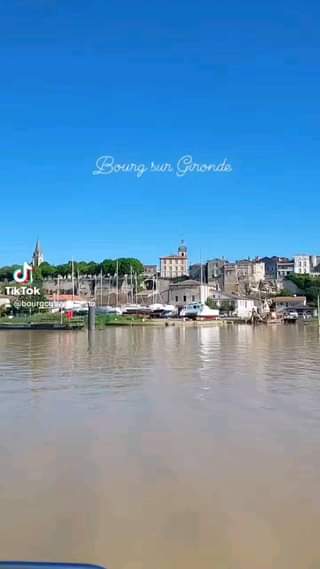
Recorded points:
55,322
44,321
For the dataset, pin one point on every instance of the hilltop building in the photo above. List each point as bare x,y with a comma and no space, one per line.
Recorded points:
243,275
174,266
215,272
305,264
37,257
278,268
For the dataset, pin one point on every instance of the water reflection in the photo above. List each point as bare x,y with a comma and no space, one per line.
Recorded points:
165,447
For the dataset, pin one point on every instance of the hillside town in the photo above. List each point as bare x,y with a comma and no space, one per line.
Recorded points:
243,289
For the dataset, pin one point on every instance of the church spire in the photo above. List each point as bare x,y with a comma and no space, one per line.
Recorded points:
37,257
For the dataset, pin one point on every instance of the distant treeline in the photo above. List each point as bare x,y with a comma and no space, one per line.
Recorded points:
125,266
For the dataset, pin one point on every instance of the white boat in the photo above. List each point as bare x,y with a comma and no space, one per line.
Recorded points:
199,311
164,307
135,309
108,310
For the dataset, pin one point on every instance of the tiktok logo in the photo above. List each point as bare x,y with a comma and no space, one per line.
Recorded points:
24,275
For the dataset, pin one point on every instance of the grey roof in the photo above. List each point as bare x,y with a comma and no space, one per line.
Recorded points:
187,282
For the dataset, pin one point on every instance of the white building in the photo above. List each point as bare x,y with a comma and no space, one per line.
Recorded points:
302,264
174,266
186,292
244,307
306,264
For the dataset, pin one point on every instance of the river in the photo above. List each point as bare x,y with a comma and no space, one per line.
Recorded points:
162,448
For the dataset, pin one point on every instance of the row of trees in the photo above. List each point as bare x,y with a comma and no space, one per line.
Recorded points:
124,266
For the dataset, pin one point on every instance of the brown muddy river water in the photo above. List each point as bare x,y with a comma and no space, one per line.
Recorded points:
162,448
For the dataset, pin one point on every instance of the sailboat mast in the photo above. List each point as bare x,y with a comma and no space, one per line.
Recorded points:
201,276
117,283
101,287
72,276
136,283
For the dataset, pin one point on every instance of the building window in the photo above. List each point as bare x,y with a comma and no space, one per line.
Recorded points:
177,298
193,298
184,299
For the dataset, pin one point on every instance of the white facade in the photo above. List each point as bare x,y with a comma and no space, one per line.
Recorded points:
302,264
174,266
259,272
187,292
244,307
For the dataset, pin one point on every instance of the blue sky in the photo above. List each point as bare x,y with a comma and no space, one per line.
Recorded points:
145,81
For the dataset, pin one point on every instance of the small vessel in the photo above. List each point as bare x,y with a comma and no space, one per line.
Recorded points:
199,311
137,309
101,310
163,311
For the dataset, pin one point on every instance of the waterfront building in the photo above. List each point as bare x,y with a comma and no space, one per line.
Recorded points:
244,307
186,292
241,306
289,302
173,266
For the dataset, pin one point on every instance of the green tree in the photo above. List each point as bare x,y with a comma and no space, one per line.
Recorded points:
93,268
126,265
6,273
212,303
108,267
227,306
310,286
63,270
47,270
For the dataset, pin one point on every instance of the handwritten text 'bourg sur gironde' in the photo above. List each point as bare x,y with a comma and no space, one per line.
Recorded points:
106,165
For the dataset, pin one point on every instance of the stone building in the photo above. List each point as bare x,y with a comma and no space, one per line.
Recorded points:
215,273
230,278
173,266
150,271
252,272
242,276
187,291
277,268
198,272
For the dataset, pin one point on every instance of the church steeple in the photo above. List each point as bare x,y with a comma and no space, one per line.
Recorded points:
182,250
37,257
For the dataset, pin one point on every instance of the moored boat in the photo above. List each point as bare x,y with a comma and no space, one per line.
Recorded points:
199,311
